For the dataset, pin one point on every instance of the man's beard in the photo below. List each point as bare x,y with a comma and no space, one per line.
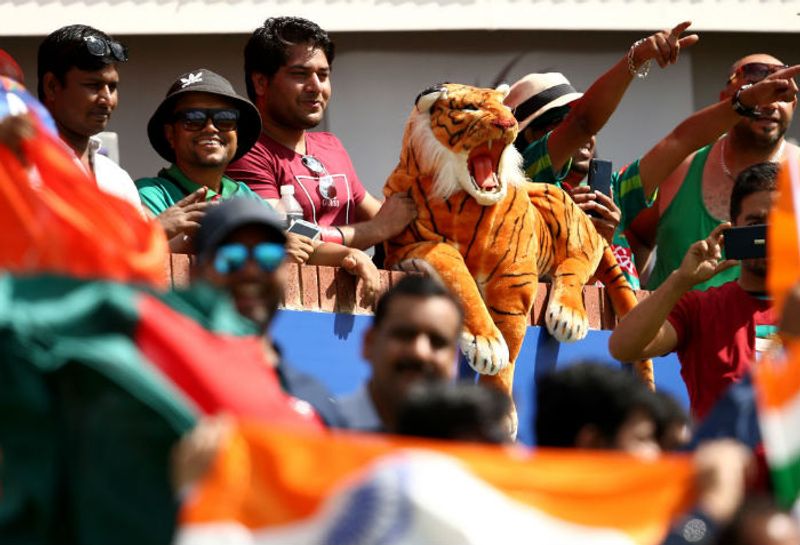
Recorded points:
748,136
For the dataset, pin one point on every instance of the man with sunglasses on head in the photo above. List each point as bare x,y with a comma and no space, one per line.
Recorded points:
200,127
78,79
288,77
695,198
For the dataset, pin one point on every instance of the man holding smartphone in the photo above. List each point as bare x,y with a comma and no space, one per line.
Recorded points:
717,333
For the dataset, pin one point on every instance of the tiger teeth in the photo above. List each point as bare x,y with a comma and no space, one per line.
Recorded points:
489,145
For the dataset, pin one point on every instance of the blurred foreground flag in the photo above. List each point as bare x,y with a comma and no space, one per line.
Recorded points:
268,486
55,219
777,383
783,242
98,380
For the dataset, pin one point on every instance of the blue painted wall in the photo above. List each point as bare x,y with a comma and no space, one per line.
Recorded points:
329,347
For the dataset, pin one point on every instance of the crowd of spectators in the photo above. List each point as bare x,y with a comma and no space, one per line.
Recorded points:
716,169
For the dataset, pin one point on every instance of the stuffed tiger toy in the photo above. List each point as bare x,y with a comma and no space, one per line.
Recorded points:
489,234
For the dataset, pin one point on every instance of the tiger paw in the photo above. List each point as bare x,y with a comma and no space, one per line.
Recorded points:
487,355
566,324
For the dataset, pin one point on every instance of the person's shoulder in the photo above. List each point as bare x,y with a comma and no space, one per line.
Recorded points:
155,182
326,139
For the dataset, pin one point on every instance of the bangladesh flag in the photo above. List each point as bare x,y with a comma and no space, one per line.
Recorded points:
98,380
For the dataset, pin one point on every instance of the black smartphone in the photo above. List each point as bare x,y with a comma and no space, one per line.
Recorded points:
600,178
749,242
305,228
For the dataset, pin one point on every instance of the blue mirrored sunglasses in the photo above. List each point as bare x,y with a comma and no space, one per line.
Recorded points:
230,258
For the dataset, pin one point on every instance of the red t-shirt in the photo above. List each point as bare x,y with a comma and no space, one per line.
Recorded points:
716,339
269,165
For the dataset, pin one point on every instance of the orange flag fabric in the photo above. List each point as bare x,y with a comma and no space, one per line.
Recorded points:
54,219
275,486
783,243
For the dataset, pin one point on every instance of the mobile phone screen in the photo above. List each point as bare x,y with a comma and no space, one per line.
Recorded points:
600,177
305,228
749,242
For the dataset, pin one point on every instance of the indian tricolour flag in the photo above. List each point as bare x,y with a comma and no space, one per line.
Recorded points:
271,486
777,382
777,377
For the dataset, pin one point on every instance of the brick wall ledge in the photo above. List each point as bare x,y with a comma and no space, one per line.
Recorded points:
329,289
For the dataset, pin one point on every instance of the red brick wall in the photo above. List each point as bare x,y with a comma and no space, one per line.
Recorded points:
329,289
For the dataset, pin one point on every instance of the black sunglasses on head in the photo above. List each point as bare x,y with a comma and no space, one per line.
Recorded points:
195,119
753,72
98,46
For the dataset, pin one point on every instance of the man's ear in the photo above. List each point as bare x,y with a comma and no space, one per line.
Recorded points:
169,134
368,344
260,83
589,437
50,85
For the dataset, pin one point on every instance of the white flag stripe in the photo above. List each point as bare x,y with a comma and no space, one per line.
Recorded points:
410,499
780,433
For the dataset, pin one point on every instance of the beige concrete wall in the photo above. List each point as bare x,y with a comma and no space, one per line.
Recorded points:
377,75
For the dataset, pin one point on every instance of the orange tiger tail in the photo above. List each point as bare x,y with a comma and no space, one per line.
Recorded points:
623,300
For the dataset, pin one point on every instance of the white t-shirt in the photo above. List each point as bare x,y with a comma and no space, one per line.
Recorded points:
111,178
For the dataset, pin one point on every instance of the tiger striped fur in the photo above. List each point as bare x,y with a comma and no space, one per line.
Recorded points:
489,234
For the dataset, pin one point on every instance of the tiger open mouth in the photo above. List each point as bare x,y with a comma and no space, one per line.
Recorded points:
483,162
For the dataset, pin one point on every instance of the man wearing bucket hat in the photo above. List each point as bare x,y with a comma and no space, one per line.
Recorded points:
200,127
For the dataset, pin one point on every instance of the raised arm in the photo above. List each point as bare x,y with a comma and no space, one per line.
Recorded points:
591,112
706,125
645,332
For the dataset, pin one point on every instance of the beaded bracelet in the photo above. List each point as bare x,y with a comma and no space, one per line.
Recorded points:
644,69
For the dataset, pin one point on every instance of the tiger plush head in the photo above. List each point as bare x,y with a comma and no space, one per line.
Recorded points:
462,137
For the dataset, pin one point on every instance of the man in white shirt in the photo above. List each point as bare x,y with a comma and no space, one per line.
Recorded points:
78,79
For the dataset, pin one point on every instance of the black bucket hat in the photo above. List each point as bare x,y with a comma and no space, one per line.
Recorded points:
203,80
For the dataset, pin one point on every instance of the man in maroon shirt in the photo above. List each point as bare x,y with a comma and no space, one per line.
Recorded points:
288,77
717,333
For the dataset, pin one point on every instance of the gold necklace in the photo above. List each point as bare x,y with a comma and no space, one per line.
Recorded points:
773,158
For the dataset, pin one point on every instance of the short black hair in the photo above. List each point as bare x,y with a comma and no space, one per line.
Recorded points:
414,285
755,178
268,47
587,393
66,48
463,411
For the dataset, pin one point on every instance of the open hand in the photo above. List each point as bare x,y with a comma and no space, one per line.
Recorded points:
183,217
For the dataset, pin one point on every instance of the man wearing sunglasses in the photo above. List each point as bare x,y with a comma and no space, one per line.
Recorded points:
78,79
240,248
695,198
288,77
200,127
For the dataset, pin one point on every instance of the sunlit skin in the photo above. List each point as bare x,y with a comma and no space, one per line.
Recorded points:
294,99
202,155
82,104
417,340
766,130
